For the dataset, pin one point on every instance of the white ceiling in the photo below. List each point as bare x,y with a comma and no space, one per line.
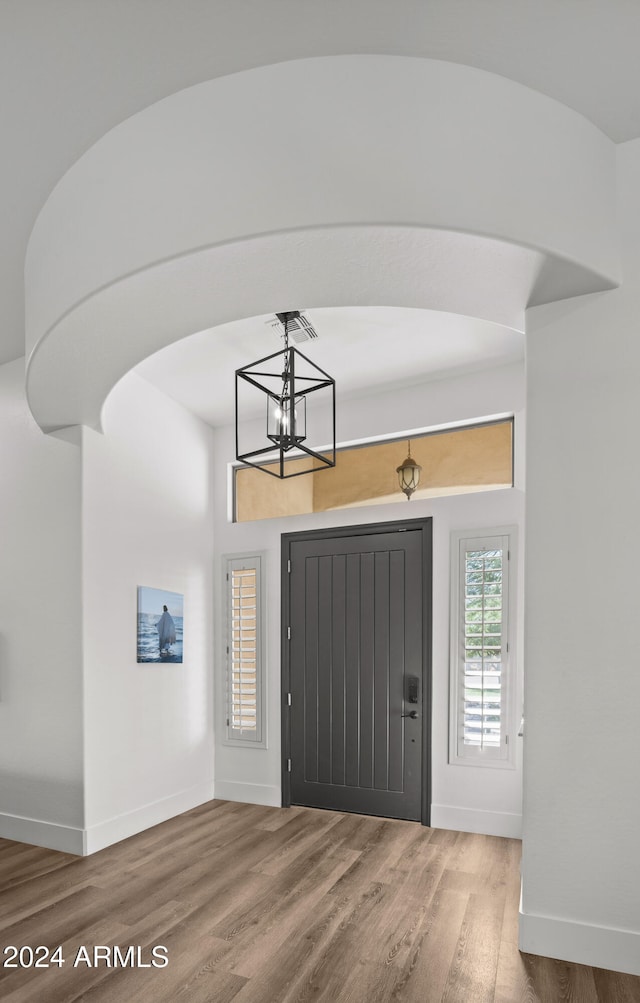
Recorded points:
363,348
73,69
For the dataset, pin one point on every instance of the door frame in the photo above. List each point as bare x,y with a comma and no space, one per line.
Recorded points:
425,527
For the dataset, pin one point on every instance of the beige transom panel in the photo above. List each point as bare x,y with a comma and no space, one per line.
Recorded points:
469,459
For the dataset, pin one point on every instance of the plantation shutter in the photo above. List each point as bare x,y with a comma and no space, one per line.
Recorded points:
481,653
244,647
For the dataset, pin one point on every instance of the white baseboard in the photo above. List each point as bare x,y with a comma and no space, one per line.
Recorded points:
488,823
580,943
236,790
104,834
82,842
66,838
86,841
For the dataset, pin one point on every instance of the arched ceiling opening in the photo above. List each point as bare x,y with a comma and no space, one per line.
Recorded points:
352,181
75,73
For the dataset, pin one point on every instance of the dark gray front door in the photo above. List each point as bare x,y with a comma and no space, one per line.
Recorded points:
356,611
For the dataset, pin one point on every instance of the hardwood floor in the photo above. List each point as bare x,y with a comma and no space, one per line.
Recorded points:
259,905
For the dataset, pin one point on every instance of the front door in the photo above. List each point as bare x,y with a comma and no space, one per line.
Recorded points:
356,642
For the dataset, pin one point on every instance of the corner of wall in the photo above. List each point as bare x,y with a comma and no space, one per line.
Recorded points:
580,943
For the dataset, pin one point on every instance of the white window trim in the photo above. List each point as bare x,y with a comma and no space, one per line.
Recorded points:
505,757
257,560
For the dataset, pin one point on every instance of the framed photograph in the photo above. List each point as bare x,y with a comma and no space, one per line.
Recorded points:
160,625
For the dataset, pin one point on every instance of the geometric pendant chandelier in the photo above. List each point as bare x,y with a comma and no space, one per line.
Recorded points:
297,400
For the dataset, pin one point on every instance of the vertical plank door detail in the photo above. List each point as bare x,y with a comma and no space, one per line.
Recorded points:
356,639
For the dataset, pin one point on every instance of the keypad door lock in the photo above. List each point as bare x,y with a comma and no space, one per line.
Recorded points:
413,689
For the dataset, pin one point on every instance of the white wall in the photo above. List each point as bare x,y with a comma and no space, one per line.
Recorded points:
464,797
41,793
146,521
581,879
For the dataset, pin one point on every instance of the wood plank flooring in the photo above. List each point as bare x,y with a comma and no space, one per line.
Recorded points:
270,905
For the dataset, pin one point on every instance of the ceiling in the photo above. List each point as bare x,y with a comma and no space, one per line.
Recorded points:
352,345
73,69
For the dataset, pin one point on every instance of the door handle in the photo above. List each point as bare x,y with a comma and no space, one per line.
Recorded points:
412,714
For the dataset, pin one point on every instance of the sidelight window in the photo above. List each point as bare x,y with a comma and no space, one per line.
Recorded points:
244,645
482,649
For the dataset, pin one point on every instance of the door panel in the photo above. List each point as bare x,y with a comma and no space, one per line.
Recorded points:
356,618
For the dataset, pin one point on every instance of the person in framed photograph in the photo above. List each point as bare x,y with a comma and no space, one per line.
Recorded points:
166,631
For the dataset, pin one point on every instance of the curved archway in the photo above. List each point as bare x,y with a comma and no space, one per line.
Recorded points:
302,183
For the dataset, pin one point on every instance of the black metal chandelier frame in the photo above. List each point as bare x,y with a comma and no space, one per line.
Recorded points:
292,394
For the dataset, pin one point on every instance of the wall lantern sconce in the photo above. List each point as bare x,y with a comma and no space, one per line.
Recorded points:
409,474
298,400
